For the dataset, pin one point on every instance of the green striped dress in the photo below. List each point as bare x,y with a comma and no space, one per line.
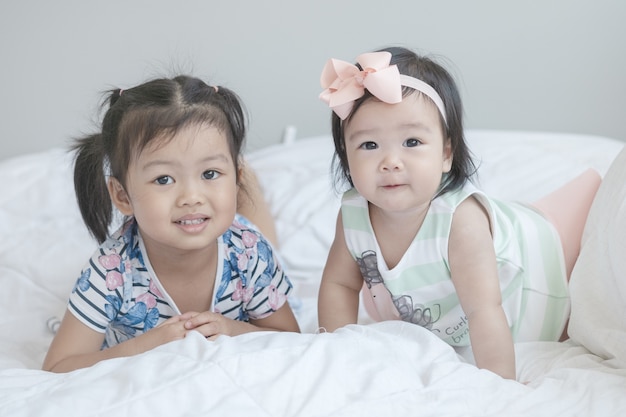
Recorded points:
529,260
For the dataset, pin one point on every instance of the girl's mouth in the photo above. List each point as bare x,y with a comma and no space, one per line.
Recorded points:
191,222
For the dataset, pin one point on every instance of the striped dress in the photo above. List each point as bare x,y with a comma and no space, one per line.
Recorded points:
119,294
529,260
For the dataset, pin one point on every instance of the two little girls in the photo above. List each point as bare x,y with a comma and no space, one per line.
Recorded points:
424,244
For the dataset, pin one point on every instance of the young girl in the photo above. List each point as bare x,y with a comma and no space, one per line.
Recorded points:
168,158
425,244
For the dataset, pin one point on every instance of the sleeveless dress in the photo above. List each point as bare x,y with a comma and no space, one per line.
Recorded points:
419,288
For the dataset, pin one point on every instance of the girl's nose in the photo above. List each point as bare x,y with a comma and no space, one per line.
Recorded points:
190,194
391,162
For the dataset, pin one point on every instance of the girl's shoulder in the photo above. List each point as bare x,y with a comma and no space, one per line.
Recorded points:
453,198
243,233
121,245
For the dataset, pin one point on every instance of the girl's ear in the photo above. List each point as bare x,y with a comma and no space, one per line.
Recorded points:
447,156
119,196
241,172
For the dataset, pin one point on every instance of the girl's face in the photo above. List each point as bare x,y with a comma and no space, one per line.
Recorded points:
397,153
182,192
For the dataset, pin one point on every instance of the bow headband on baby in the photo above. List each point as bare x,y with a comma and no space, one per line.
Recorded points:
344,83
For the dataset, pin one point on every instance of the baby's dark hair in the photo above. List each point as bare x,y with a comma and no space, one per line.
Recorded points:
155,110
425,69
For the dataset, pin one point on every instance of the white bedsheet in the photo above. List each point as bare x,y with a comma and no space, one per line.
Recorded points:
384,369
387,368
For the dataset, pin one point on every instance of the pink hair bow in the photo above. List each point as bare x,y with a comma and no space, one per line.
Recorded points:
344,82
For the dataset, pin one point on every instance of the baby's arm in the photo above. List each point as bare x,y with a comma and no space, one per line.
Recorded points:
475,277
338,300
77,346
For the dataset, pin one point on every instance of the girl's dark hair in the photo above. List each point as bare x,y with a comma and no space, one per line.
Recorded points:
157,109
427,70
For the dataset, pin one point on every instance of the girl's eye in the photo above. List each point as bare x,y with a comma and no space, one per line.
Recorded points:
164,180
411,143
369,145
210,174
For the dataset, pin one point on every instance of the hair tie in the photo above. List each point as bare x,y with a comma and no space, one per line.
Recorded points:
216,88
344,83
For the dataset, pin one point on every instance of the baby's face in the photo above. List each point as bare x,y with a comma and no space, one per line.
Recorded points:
397,153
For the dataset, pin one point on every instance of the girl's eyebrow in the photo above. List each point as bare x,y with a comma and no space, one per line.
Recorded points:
416,125
168,162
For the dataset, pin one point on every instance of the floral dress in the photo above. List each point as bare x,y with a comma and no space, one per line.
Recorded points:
119,294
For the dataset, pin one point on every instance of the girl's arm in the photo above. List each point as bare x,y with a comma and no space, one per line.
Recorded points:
77,346
474,274
282,320
338,300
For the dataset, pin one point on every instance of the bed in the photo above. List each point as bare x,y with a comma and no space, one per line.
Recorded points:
367,369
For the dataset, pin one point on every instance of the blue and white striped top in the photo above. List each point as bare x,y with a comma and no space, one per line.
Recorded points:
119,294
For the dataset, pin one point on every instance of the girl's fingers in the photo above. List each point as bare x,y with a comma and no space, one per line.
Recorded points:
200,319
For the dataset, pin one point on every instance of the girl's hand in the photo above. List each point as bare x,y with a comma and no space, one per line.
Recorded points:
168,331
172,328
211,325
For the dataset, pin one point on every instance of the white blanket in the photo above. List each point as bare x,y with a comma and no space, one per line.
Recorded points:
389,368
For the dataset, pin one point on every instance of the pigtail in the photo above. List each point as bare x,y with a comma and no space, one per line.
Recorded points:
232,107
90,186
115,95
235,114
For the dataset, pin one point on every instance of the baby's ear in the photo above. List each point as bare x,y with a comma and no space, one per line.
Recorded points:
447,156
119,196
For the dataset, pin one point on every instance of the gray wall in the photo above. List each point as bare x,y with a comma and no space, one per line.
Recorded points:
535,65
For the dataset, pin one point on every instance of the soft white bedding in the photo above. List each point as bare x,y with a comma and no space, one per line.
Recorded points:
368,369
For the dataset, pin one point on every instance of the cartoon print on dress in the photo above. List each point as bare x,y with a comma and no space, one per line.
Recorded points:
369,268
416,314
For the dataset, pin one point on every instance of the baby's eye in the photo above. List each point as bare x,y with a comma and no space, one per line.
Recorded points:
164,180
369,145
411,143
210,174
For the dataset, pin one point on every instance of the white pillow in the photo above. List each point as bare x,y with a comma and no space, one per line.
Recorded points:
598,281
